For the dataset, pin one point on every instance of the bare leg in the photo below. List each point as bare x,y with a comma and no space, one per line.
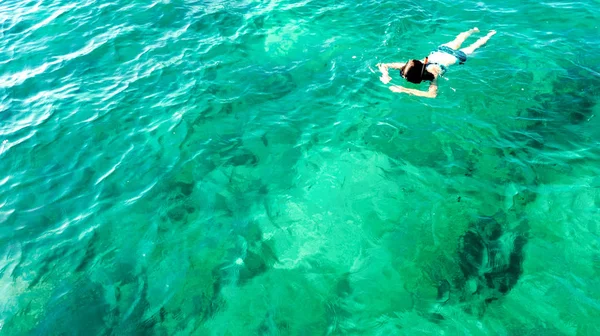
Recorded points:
470,49
461,38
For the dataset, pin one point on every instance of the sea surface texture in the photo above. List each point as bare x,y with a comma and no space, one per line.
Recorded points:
237,168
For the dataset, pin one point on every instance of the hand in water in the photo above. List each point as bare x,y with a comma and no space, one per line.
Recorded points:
385,77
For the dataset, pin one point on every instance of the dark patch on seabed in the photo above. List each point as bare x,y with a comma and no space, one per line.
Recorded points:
491,252
490,258
571,102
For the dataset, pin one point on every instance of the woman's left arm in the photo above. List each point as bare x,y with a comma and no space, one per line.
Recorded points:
431,93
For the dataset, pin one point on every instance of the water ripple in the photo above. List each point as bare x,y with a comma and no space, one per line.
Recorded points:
173,166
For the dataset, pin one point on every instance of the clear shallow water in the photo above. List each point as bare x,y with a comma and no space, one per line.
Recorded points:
236,168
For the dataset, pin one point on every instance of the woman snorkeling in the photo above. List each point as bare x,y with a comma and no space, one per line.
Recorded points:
434,65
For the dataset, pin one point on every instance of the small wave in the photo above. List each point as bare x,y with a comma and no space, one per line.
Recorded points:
114,167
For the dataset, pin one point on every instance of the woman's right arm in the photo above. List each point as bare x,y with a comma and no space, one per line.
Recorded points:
394,65
383,67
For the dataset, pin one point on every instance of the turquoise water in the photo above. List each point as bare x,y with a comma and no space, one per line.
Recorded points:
237,168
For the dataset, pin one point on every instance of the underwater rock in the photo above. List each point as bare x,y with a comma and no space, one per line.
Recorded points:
254,265
93,312
251,257
90,253
343,287
257,261
283,40
243,158
490,259
184,188
177,214
259,22
443,294
572,99
575,107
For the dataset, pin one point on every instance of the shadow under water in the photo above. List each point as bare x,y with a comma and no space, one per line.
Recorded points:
571,102
490,258
491,251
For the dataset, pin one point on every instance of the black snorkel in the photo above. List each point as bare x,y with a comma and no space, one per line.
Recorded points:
424,66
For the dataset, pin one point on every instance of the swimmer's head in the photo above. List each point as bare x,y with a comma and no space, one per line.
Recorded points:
414,71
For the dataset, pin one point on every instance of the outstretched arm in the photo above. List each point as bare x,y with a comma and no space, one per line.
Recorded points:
383,67
431,93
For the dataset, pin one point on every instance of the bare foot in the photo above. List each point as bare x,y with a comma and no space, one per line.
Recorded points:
475,30
492,32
